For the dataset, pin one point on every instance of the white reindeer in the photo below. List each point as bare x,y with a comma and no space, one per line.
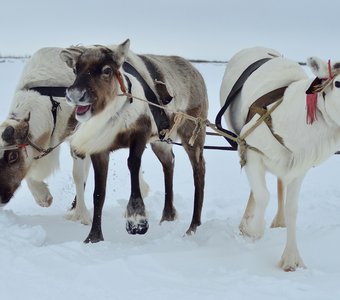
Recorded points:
300,135
32,124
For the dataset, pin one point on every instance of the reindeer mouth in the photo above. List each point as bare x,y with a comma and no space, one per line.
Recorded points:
82,109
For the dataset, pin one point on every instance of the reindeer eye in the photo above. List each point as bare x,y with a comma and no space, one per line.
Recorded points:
337,84
12,157
107,71
74,70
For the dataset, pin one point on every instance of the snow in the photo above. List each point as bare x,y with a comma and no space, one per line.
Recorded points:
42,255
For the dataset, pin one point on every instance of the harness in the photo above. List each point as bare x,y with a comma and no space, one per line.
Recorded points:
159,115
44,91
237,87
52,91
259,106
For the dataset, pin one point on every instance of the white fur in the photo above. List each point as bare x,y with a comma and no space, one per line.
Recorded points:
305,145
94,134
100,130
45,68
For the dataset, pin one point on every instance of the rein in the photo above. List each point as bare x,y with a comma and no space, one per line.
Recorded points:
200,123
56,91
43,152
29,142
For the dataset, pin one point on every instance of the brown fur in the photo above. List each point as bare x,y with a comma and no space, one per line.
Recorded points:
96,86
14,173
71,126
87,69
141,127
43,140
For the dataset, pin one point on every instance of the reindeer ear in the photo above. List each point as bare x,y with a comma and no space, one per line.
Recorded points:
71,55
318,67
122,52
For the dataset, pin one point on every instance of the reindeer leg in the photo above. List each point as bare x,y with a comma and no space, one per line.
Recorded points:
135,214
40,192
253,223
195,154
279,220
249,211
165,155
100,164
81,166
291,258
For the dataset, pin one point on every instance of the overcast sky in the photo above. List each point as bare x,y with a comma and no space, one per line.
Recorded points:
197,29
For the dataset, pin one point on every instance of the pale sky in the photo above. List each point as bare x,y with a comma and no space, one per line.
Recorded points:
195,29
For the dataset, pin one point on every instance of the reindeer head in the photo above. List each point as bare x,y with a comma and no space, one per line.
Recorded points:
13,164
327,84
96,69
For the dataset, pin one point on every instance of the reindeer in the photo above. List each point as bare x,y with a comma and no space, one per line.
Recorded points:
301,132
111,119
39,119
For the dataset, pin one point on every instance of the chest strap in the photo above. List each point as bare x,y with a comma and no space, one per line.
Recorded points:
52,91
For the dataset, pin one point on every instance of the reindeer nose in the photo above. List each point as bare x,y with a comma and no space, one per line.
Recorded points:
75,95
8,134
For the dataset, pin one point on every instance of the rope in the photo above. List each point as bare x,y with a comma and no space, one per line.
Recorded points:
29,142
240,140
198,121
12,147
243,145
178,119
43,152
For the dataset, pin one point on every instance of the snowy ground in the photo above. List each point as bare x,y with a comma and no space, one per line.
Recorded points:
42,255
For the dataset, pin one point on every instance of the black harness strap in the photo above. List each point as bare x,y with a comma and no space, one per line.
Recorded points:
129,86
232,95
157,76
159,115
227,148
52,91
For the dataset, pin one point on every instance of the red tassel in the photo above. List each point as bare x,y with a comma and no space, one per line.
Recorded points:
311,101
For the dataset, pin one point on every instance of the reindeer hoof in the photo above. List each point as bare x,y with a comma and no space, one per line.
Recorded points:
169,215
137,228
192,229
45,202
94,238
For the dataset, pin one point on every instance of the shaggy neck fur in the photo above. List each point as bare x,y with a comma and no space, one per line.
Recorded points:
96,134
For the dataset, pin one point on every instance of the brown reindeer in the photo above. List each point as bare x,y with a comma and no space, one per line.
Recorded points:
111,120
